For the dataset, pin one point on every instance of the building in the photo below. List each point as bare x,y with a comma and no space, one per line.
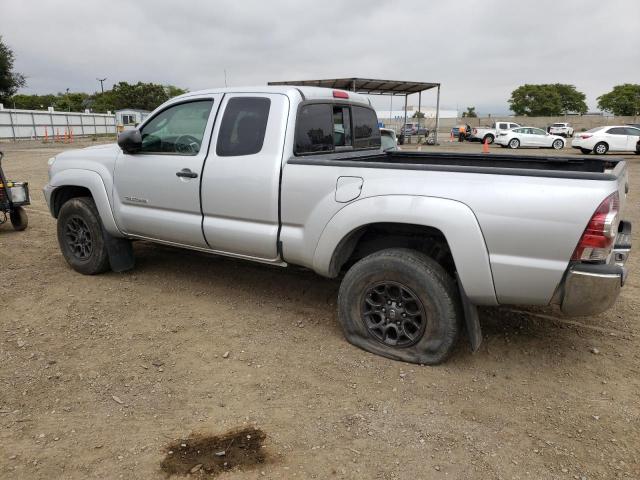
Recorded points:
130,118
429,112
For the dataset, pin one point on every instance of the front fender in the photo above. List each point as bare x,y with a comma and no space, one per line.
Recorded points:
455,220
90,180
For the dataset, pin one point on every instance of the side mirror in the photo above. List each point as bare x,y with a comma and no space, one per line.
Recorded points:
130,141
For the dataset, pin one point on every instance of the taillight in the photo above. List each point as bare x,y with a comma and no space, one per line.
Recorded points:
597,239
585,136
340,94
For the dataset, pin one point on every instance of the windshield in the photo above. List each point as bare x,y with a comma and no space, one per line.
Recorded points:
558,125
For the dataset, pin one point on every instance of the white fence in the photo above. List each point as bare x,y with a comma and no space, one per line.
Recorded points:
21,124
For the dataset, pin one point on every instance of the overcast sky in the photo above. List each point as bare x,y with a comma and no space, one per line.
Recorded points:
479,50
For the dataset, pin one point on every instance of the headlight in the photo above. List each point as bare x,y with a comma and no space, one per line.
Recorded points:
51,161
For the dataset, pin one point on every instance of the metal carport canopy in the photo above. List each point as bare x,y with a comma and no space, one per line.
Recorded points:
372,86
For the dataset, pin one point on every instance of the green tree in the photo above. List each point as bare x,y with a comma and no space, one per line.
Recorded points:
470,113
10,81
623,100
573,101
418,115
547,100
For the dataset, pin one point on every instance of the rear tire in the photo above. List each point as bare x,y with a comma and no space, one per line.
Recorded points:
19,219
373,320
488,138
80,236
586,151
601,148
557,144
514,143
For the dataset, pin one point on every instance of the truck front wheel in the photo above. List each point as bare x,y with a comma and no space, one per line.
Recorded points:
80,236
488,139
400,304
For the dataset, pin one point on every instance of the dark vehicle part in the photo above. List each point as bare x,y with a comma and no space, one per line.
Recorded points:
13,196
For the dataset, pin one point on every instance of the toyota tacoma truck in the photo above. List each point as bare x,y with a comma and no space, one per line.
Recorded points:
297,176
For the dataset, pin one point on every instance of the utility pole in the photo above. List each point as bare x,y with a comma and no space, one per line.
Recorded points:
101,80
68,103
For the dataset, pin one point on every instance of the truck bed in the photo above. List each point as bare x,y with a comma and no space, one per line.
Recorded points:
593,168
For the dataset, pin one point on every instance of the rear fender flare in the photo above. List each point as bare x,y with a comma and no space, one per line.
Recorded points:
454,219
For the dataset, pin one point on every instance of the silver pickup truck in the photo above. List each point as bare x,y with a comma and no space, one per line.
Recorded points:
296,176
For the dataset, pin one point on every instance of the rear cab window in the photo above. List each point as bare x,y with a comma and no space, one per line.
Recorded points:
330,127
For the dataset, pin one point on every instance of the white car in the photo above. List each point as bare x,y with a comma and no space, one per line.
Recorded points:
562,129
600,140
529,137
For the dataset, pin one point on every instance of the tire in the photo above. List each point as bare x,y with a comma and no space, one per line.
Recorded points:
601,148
19,219
586,151
514,143
80,236
557,144
489,139
434,293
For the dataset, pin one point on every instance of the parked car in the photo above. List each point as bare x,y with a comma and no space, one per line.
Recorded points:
529,137
600,140
389,140
489,134
420,239
414,129
561,129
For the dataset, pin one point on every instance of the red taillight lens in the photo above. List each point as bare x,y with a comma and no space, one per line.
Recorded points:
585,136
340,94
597,239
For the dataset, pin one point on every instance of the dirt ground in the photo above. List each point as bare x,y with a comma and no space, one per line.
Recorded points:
100,375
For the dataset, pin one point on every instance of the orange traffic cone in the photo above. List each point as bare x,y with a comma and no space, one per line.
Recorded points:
485,146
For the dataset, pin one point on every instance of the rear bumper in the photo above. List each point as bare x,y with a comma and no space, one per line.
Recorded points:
589,289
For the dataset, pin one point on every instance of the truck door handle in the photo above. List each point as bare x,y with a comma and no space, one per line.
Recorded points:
186,173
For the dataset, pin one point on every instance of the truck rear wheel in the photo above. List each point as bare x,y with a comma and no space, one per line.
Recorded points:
80,236
400,304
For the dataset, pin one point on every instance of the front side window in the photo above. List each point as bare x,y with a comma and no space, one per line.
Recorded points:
633,131
178,130
243,126
366,133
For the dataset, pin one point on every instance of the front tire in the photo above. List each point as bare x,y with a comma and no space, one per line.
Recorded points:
19,219
400,304
557,144
514,143
80,236
601,148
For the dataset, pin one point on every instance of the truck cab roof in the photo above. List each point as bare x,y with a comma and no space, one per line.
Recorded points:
302,92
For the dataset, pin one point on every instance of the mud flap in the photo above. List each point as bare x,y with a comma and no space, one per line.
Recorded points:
120,252
471,319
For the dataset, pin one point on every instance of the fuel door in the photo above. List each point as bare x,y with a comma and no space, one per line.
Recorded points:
348,188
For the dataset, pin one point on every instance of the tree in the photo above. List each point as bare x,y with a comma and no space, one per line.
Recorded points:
547,100
470,113
10,81
418,115
623,100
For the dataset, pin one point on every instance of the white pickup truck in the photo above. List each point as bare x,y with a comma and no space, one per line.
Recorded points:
297,176
489,134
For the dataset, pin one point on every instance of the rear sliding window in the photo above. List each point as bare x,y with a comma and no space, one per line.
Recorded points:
243,126
323,127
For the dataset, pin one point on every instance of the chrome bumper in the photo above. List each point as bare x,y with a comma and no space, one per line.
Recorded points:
591,288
